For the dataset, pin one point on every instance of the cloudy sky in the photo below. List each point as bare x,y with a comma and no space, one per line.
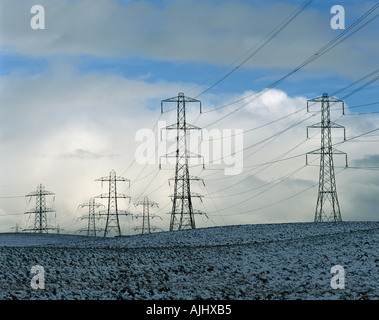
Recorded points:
77,96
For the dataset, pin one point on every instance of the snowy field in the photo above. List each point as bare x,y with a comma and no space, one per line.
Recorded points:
268,261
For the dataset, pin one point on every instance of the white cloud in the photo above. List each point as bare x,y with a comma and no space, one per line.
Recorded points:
198,31
64,128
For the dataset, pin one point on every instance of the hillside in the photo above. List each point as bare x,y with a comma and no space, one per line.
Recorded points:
268,261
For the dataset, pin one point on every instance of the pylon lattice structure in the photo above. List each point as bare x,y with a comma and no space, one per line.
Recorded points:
40,211
327,207
112,213
91,217
182,213
146,215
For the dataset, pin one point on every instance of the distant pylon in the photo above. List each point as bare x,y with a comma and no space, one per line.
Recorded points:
112,213
327,207
182,214
91,217
16,228
40,210
146,215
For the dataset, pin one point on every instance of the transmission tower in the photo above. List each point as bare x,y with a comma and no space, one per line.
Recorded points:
112,213
16,228
182,214
327,208
146,215
40,211
91,217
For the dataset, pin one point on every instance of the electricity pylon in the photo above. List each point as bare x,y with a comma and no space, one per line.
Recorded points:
40,210
327,208
16,228
146,215
182,213
91,217
112,213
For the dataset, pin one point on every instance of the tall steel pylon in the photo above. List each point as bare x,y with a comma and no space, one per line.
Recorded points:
327,207
182,213
146,215
91,217
112,213
40,210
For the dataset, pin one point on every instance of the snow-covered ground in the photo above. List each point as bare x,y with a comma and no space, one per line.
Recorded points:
267,261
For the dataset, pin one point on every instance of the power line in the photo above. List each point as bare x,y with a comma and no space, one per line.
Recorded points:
279,201
11,197
358,136
268,139
265,41
12,214
278,181
271,122
364,105
265,165
274,183
352,167
355,82
351,93
360,88
364,168
273,137
309,164
326,48
333,94
362,113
